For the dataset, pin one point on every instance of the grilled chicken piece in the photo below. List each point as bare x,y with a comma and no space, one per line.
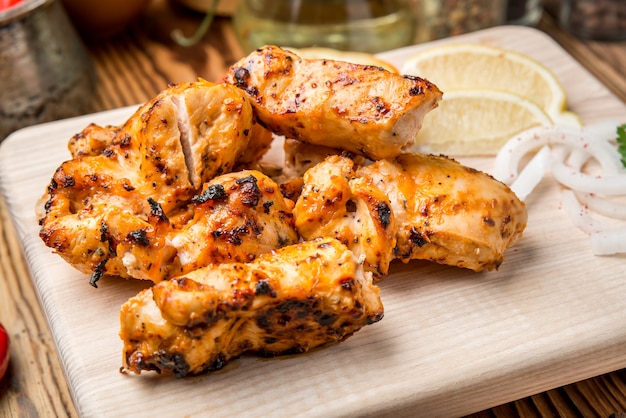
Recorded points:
300,156
236,217
412,207
289,301
151,152
92,140
260,141
125,204
184,136
214,127
335,203
358,108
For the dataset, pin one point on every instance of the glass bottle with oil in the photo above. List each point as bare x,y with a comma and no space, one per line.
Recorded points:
350,25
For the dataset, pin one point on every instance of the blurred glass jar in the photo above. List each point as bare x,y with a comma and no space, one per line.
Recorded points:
438,19
603,20
97,20
523,12
45,72
350,25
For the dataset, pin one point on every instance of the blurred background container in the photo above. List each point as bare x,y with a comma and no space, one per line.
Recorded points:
355,25
523,12
364,25
603,20
45,71
224,7
101,19
438,19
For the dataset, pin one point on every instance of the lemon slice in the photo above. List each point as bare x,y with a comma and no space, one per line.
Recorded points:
567,118
476,66
477,122
348,56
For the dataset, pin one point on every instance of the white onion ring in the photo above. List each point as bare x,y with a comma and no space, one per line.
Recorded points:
611,185
566,151
509,157
602,206
578,158
604,129
579,215
609,242
532,174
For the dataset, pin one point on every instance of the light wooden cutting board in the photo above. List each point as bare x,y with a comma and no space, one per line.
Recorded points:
452,342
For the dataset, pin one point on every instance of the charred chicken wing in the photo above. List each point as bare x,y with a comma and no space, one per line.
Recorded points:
288,301
358,108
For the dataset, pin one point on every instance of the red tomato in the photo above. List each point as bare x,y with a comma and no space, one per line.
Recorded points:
4,351
5,4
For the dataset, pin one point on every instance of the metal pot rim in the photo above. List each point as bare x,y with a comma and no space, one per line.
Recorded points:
20,10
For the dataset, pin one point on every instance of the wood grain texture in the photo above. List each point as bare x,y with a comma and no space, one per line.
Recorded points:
35,384
605,60
131,69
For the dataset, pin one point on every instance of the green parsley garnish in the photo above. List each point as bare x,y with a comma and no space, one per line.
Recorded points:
621,142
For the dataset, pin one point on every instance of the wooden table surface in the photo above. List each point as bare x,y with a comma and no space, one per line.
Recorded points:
134,66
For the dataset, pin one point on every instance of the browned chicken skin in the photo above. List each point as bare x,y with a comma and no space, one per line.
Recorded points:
412,207
362,109
288,301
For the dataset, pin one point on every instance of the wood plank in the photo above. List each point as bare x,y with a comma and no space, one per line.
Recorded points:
34,384
465,290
